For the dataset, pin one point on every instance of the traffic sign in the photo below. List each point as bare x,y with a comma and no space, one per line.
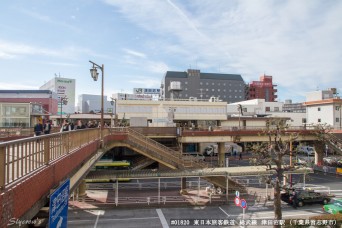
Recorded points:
237,193
243,203
237,201
58,212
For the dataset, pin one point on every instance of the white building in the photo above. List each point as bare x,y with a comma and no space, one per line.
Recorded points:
64,87
167,113
323,108
262,108
92,103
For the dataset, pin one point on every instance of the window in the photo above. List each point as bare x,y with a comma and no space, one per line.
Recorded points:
224,84
201,83
337,120
319,109
319,120
304,120
218,90
207,83
267,109
337,108
206,89
276,109
186,88
185,83
213,90
213,83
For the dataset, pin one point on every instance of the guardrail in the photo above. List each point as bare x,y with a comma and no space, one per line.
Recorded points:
21,157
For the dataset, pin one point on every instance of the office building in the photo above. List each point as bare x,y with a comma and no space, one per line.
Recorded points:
88,103
47,99
65,88
263,89
193,84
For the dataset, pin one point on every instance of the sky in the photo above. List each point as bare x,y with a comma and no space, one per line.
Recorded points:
299,43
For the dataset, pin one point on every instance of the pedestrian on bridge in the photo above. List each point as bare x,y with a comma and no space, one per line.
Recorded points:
38,128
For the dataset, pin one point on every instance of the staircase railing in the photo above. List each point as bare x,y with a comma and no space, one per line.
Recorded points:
163,153
335,142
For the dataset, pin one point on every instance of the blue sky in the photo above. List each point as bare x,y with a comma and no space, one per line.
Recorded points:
299,43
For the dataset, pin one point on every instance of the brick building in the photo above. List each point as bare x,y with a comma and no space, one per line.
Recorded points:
263,89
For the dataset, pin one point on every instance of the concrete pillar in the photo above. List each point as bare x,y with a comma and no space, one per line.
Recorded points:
183,185
221,154
82,189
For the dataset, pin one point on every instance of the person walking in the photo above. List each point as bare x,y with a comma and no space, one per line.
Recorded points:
66,126
47,127
240,156
294,199
38,128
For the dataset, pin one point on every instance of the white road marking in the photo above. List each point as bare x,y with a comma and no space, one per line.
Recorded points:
103,219
162,218
224,212
97,219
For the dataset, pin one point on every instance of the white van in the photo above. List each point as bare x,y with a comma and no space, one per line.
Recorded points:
307,150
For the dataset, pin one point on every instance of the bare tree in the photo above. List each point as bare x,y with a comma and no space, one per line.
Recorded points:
271,154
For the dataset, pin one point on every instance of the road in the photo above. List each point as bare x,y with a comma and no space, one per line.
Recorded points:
163,217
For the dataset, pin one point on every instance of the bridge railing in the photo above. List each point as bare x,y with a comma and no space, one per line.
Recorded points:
21,157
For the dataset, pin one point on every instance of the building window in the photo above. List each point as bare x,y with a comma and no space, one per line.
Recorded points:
213,83
201,83
224,84
319,109
224,90
207,83
186,88
218,90
206,89
186,95
207,95
225,96
304,120
319,120
267,109
337,108
185,83
213,90
276,109
337,120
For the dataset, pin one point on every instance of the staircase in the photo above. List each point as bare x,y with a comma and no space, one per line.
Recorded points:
142,163
334,142
174,159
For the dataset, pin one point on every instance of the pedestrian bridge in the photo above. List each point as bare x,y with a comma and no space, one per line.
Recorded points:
31,168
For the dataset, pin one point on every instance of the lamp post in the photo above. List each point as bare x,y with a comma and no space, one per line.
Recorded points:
113,103
95,75
64,101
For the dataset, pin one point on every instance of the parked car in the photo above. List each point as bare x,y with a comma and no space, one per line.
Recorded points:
306,197
334,208
307,150
195,154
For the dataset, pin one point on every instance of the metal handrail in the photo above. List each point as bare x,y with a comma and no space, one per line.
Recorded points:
19,158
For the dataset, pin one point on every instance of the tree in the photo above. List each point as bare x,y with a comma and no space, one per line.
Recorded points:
240,112
271,154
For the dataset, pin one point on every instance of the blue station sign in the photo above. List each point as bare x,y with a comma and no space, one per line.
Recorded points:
58,213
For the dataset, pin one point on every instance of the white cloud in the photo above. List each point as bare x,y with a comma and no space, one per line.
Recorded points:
12,50
14,86
134,53
297,42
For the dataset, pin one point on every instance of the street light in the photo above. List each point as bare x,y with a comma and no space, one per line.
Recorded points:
95,76
113,102
64,101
